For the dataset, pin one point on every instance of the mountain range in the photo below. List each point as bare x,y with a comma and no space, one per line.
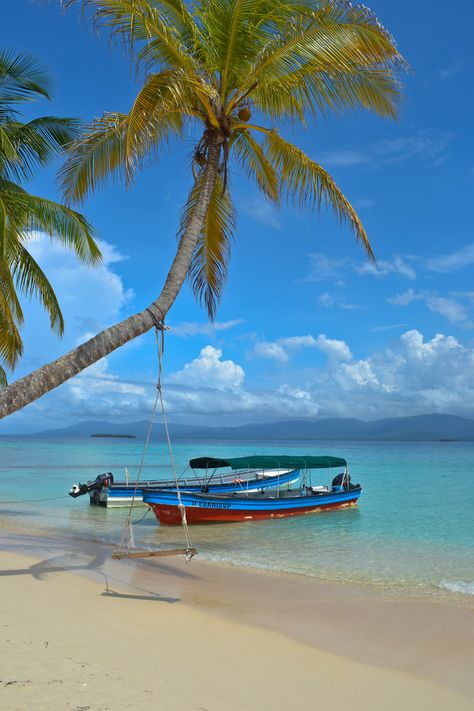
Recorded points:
422,428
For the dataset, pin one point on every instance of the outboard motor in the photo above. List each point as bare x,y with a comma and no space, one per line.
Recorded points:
102,481
342,482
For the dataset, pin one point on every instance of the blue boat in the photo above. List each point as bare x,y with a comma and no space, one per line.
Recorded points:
243,477
264,504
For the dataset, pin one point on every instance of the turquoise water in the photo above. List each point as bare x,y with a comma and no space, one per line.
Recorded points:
413,529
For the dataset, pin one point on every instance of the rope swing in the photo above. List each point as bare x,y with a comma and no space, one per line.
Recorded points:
127,543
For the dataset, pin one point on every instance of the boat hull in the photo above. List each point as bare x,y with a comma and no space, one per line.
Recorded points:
121,494
229,509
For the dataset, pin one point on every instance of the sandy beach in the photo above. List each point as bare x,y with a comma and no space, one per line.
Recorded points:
81,631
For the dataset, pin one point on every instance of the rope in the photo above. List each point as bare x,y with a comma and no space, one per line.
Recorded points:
127,529
31,501
182,508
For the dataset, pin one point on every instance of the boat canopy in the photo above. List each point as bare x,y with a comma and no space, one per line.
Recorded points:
268,462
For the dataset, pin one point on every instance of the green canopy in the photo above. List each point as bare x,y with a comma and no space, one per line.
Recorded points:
268,462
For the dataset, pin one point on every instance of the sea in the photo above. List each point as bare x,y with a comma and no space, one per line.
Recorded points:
412,533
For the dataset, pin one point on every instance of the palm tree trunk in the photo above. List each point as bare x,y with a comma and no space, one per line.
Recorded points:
48,377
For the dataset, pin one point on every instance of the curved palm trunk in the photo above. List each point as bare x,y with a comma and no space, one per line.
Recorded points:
48,377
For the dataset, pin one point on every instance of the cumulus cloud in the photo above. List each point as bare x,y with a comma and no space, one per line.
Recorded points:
415,375
209,370
266,349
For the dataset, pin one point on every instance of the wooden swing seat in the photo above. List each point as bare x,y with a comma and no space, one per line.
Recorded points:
119,555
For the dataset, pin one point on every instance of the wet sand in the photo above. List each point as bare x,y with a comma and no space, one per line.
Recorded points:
82,631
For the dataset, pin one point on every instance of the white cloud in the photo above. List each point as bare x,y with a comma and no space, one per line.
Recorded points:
415,375
283,348
384,267
451,71
333,348
428,146
449,308
261,210
337,301
447,263
407,297
326,268
194,328
389,327
90,299
209,370
265,349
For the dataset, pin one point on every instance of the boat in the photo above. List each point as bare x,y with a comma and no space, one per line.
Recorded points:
264,503
244,478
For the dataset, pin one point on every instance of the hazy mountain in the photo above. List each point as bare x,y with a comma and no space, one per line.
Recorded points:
418,428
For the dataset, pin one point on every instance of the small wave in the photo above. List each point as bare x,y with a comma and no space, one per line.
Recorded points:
458,586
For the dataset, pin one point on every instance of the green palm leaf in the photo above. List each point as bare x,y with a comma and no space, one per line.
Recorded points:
308,185
256,165
208,270
96,157
33,283
22,78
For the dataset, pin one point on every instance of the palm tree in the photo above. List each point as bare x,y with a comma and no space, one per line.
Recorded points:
231,70
23,148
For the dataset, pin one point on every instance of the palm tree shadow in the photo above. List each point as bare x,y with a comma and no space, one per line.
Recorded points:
48,566
40,570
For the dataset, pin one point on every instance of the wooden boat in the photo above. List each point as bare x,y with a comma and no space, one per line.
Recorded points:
244,477
266,504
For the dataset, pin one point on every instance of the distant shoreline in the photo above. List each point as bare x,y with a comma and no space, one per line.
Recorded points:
115,436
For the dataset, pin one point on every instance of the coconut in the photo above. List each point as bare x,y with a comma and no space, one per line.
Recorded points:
245,114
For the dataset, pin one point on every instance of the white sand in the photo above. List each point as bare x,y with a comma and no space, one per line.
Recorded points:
65,645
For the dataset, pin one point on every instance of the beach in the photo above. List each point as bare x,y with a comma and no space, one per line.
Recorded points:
83,631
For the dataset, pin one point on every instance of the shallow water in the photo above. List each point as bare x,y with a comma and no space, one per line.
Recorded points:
413,529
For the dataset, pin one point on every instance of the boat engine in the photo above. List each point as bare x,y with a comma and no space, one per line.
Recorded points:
342,482
100,482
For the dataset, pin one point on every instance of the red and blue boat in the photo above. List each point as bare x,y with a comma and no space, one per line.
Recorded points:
266,503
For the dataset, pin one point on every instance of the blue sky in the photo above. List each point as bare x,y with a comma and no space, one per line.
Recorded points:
307,327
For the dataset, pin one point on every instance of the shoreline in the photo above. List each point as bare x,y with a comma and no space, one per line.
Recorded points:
406,642
430,593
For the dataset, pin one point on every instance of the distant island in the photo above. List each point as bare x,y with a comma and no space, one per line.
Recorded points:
116,436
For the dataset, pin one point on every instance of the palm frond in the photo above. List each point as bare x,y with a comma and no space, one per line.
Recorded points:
36,143
208,270
27,213
22,78
156,115
100,154
32,282
339,38
11,317
255,163
307,184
